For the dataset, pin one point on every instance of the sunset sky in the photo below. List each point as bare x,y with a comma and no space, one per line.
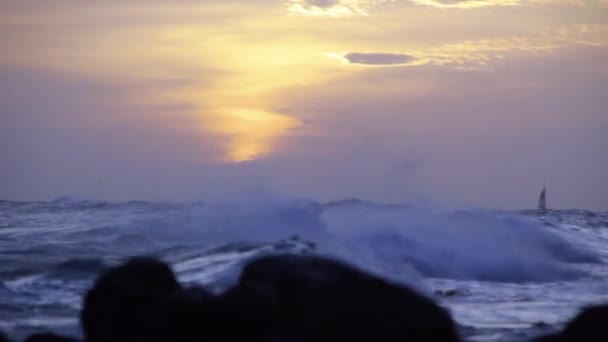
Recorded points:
427,102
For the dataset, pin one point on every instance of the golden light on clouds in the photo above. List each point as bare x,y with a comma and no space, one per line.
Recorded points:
483,51
329,8
488,50
472,4
467,3
222,70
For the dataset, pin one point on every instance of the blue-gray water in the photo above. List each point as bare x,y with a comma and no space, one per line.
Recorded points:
507,275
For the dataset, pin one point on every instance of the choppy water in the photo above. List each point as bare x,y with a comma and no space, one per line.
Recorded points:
505,276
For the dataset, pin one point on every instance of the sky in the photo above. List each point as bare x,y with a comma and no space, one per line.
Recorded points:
473,103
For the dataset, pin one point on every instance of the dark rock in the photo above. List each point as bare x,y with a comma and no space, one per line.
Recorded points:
591,325
325,300
49,337
129,303
242,313
252,307
284,298
187,313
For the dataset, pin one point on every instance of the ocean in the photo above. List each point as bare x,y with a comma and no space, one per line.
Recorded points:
504,275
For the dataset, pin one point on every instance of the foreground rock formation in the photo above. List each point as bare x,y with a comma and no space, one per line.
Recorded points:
590,325
286,298
277,298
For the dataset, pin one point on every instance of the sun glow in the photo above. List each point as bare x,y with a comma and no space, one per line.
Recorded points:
230,65
253,132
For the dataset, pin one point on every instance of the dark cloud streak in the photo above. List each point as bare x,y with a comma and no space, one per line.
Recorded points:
323,3
376,58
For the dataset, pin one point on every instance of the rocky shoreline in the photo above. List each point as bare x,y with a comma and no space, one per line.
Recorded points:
287,297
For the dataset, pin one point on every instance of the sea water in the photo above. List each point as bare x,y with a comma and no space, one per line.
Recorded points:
504,275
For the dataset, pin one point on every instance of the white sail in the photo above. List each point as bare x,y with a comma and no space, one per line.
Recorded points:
542,200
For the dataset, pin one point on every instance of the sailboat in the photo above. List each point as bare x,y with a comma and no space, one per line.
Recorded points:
542,200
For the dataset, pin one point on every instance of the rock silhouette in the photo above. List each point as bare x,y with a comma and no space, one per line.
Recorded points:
590,325
290,298
280,298
320,299
129,303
